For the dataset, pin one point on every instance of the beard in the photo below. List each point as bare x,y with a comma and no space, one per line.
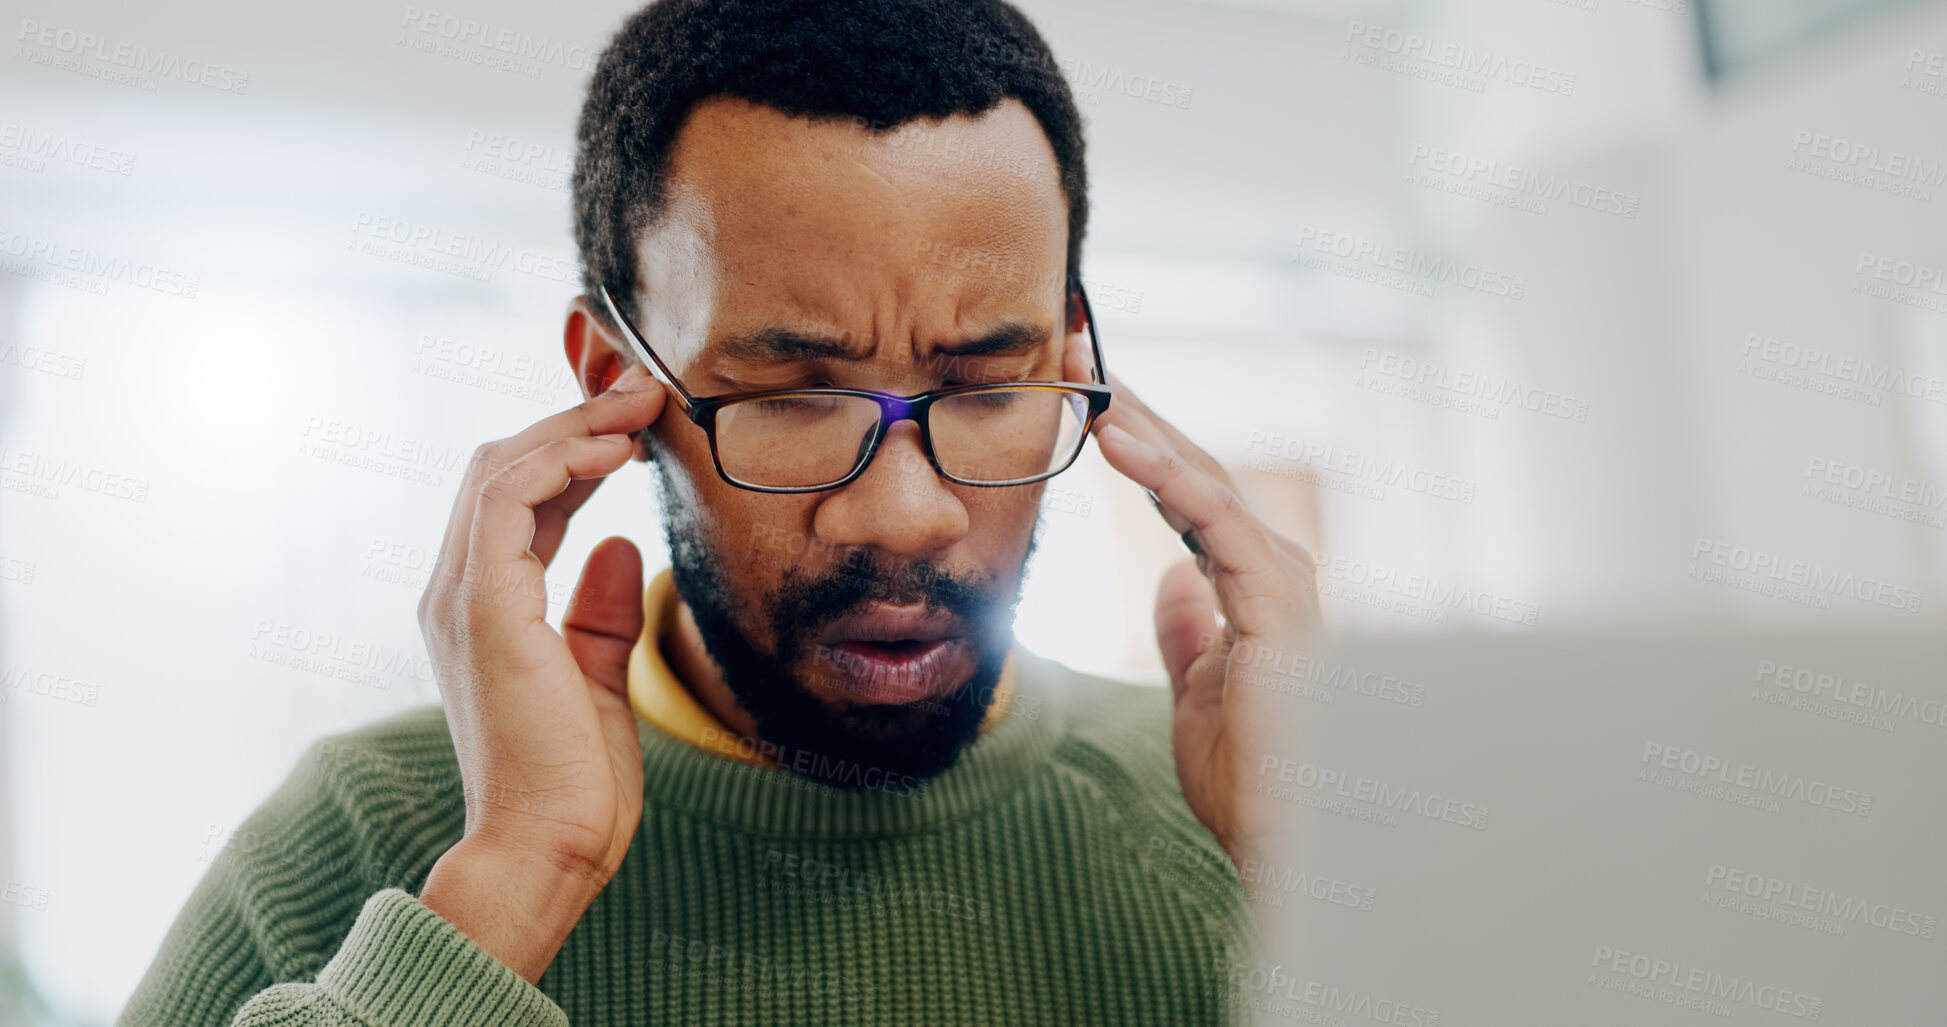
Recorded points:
911,741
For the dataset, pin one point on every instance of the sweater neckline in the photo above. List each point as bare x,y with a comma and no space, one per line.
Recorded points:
776,800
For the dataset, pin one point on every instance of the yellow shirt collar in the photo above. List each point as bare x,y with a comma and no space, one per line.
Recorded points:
659,698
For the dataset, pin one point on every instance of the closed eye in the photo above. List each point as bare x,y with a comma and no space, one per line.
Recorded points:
998,399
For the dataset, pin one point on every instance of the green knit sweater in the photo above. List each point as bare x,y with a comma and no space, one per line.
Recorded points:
1053,876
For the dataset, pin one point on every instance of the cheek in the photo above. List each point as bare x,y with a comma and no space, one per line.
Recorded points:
672,434
757,536
1001,521
682,451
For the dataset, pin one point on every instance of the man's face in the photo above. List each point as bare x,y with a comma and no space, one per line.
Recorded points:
866,623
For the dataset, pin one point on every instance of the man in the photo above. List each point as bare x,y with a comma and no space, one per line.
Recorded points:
803,776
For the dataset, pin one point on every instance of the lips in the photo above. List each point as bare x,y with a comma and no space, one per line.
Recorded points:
893,654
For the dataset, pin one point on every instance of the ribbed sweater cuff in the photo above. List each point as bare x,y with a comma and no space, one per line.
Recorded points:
403,965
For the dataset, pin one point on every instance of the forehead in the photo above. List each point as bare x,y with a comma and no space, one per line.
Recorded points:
830,222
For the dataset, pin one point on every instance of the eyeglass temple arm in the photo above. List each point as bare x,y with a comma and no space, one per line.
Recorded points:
642,350
1088,315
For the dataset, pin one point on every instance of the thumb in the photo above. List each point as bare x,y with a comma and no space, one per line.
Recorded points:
1186,621
604,617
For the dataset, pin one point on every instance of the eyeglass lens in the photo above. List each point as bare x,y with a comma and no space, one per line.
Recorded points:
807,440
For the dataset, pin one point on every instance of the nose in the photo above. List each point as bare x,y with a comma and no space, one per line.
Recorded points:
899,504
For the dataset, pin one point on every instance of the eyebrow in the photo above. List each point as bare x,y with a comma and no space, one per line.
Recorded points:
774,343
1010,338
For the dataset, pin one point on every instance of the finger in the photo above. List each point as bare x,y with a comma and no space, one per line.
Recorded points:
1177,522
1077,362
634,399
1164,431
551,518
499,556
1132,415
459,523
604,618
1241,557
1186,625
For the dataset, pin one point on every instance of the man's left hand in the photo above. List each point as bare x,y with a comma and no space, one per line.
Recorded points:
1260,581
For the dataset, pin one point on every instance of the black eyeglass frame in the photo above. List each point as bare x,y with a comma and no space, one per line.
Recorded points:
702,410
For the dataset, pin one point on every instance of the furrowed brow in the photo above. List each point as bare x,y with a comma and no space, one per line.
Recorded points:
777,344
1011,338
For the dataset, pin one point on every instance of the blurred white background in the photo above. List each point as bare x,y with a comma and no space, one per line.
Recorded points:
229,434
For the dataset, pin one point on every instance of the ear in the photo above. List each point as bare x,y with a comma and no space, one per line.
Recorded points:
597,356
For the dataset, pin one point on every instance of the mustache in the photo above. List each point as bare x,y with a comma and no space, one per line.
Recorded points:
803,603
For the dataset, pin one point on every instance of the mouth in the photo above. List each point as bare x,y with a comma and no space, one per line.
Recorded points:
893,655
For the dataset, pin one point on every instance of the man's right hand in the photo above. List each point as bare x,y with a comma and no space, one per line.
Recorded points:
541,720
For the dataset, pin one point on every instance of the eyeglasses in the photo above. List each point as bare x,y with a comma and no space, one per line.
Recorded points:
809,440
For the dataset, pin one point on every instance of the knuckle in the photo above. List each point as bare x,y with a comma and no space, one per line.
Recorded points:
585,413
559,450
513,479
478,467
465,595
492,463
445,619
495,489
